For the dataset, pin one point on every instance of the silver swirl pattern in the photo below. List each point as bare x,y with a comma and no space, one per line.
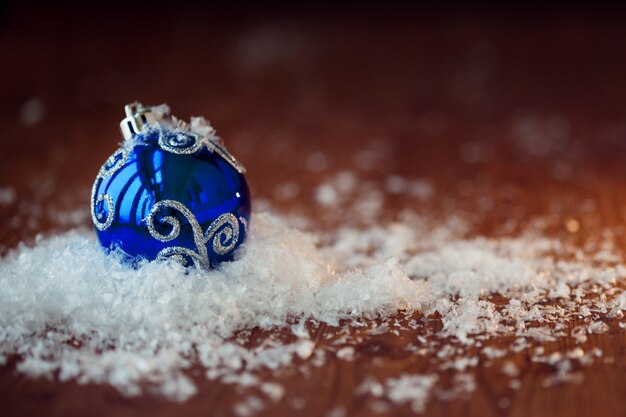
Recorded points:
114,163
185,143
97,218
111,166
223,234
179,142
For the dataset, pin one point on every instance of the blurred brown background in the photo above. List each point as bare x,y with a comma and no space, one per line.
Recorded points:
438,86
509,113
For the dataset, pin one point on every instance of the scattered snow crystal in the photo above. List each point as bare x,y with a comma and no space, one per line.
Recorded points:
411,388
7,196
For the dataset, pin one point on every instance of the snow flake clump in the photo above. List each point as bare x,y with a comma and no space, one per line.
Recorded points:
69,309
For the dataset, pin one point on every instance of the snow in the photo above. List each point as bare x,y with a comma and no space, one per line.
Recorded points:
69,311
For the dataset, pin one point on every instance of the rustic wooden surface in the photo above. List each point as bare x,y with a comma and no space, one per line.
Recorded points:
436,95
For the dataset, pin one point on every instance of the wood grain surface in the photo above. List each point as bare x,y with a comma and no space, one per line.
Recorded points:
435,95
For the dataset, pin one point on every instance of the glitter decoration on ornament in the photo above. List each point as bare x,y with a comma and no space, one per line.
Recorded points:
171,190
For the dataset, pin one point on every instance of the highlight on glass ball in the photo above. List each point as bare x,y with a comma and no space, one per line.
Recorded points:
171,191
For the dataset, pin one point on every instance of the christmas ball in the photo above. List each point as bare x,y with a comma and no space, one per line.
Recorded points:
171,190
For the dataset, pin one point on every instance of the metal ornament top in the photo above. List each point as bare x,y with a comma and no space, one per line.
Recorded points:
140,118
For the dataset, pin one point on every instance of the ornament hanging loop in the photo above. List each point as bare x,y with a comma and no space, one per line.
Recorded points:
137,116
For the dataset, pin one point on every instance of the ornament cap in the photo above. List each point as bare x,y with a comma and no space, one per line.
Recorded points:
137,116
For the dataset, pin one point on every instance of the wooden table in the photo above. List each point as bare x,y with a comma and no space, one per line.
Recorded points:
435,95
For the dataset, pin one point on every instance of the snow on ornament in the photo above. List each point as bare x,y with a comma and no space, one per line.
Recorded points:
171,190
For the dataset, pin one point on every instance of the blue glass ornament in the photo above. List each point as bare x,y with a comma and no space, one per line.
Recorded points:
170,192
